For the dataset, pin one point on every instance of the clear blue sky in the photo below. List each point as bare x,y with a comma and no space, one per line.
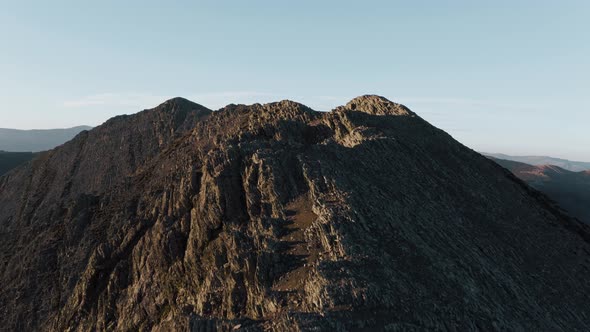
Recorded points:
500,76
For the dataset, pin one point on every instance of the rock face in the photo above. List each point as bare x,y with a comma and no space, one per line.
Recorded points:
277,217
571,190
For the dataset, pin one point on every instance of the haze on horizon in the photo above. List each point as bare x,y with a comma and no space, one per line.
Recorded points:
500,77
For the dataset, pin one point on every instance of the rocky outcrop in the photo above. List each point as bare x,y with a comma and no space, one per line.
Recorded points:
376,105
277,217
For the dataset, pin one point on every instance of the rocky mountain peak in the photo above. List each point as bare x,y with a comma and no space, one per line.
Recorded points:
377,105
288,108
180,103
181,108
275,217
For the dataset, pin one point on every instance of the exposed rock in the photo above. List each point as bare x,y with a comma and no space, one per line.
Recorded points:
277,217
377,105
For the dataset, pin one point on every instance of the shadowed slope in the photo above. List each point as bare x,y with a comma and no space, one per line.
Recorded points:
571,190
10,160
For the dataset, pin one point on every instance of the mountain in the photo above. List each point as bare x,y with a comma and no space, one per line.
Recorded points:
574,166
10,160
571,190
14,140
277,217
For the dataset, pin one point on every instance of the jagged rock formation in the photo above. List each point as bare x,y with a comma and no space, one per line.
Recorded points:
571,190
277,217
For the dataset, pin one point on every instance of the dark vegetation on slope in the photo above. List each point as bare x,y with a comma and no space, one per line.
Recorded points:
10,160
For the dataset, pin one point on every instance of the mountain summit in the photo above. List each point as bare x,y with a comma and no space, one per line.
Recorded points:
377,105
278,217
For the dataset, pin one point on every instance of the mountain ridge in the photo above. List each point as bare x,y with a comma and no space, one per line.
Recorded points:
80,127
574,166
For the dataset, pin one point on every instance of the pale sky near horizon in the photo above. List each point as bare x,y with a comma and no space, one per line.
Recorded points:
502,76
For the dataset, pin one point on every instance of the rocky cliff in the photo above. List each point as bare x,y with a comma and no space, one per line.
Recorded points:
278,217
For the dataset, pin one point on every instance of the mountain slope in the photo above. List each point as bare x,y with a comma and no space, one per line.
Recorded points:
14,140
71,177
571,190
574,166
10,160
278,217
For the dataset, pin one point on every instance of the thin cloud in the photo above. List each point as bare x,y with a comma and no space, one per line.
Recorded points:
139,100
467,102
216,100
112,99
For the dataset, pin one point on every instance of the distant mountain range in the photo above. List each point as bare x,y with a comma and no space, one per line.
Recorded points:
15,140
571,190
574,166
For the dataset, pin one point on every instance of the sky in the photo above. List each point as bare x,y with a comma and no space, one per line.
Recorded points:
499,76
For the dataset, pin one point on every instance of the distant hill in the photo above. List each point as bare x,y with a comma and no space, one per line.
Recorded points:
10,160
574,166
571,190
15,140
